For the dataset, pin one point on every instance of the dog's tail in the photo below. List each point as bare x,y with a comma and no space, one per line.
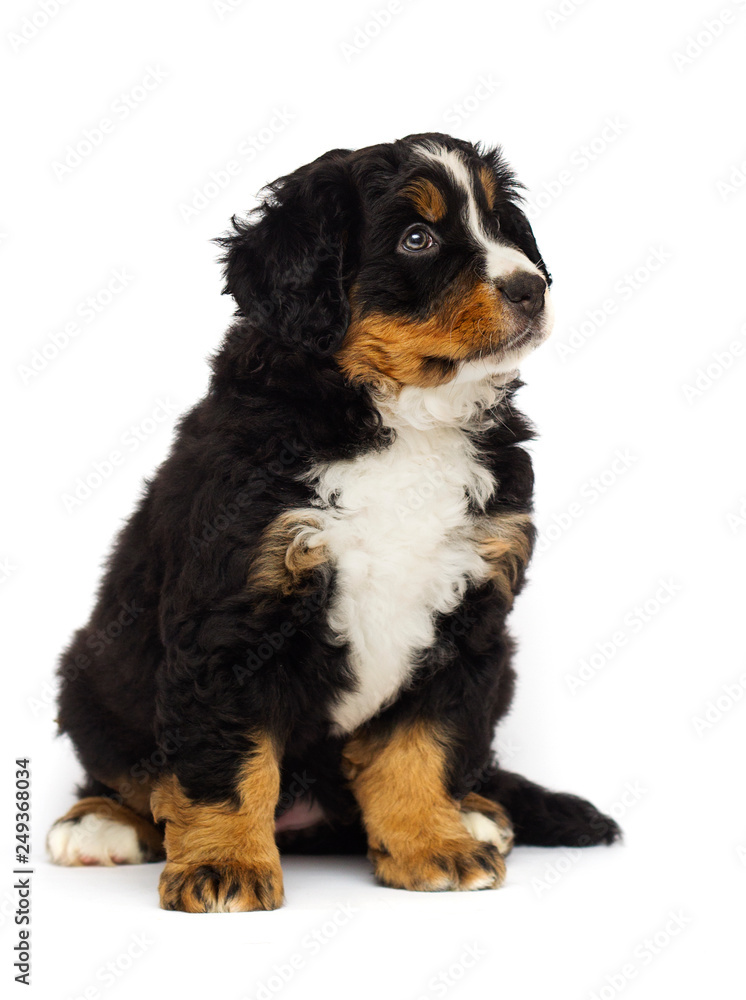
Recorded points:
548,819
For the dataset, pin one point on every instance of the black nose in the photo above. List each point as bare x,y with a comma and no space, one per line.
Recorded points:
524,290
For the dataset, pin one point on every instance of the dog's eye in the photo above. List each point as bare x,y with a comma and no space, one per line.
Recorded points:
417,239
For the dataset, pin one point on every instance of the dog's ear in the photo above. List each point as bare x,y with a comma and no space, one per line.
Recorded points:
286,265
515,225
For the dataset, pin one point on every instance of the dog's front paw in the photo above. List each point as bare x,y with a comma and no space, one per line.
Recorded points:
221,887
462,864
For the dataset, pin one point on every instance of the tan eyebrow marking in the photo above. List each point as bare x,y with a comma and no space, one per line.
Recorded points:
489,186
426,198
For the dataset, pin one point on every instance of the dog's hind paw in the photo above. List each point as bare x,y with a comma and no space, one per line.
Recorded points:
102,831
94,840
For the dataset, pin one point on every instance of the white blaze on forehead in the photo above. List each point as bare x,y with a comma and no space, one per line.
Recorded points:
501,260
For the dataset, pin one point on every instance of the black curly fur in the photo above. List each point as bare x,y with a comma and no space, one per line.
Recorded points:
200,661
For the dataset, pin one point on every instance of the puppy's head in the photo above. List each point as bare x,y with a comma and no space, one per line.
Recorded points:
410,263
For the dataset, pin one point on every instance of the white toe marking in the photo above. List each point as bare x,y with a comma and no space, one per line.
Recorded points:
93,840
485,829
486,881
232,906
438,885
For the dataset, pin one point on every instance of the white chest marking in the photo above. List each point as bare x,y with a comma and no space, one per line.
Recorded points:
401,539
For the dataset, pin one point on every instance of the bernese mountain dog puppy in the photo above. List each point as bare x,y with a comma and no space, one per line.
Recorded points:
305,617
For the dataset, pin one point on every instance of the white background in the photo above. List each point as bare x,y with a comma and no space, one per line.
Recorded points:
653,732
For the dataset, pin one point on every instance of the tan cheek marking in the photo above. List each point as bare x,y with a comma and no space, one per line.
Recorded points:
223,856
287,553
505,543
489,186
427,199
389,351
415,835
